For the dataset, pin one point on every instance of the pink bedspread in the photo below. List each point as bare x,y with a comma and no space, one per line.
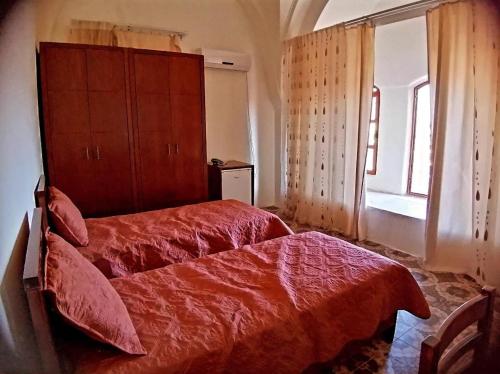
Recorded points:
273,307
127,244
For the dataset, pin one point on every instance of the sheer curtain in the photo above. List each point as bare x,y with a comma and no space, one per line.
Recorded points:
327,81
463,224
92,32
132,39
105,33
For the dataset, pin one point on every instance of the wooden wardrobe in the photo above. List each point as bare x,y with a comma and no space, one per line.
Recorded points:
123,129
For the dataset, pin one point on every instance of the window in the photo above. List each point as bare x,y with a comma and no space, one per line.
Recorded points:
420,151
371,157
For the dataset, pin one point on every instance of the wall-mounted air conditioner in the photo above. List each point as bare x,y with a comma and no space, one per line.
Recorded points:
218,59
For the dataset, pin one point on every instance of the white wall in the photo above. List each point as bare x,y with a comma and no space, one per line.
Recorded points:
396,231
250,26
226,101
400,61
20,167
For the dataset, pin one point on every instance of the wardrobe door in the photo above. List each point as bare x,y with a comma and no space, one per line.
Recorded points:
67,132
111,146
188,128
151,96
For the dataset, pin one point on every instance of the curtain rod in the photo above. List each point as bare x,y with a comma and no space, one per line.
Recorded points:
138,28
396,14
392,15
152,30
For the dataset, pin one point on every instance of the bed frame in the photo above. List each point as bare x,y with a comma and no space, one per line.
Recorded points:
43,318
42,198
33,281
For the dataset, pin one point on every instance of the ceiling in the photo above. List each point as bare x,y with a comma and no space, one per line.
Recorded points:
336,11
299,16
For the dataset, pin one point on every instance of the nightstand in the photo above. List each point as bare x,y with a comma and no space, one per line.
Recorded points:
233,180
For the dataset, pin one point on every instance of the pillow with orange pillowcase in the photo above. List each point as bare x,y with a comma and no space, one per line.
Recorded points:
67,219
86,299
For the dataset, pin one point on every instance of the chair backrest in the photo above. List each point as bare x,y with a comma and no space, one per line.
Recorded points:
480,310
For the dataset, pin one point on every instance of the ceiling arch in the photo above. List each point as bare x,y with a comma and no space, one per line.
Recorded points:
337,11
298,17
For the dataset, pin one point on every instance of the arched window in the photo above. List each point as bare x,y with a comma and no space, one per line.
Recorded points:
371,157
420,146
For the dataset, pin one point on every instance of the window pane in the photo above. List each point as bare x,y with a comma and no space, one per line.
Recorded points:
373,115
369,160
422,145
371,133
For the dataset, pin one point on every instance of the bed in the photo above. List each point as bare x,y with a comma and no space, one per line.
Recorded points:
126,244
276,306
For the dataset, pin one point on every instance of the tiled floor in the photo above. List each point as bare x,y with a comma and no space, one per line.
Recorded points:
444,293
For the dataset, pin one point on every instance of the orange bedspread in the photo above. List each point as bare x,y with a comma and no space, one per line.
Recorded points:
127,244
273,307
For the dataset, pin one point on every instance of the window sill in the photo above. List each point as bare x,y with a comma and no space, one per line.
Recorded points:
405,205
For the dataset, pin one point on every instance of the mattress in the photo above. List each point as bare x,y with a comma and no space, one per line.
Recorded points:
272,307
127,244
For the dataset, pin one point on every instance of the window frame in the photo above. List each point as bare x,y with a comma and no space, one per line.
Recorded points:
376,121
412,139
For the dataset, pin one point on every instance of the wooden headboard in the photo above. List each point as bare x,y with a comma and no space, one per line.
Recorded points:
33,281
41,199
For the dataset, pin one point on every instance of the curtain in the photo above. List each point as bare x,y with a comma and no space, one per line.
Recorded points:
327,81
105,33
92,32
132,39
463,221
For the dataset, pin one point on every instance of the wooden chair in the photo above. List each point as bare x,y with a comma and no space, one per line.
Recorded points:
480,310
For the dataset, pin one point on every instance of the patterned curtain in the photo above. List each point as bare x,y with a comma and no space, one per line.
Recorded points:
327,81
463,224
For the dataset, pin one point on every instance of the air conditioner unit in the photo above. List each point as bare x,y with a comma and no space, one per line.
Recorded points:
218,59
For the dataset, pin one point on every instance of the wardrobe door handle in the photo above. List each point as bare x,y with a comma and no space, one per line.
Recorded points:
168,147
98,152
87,153
177,148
